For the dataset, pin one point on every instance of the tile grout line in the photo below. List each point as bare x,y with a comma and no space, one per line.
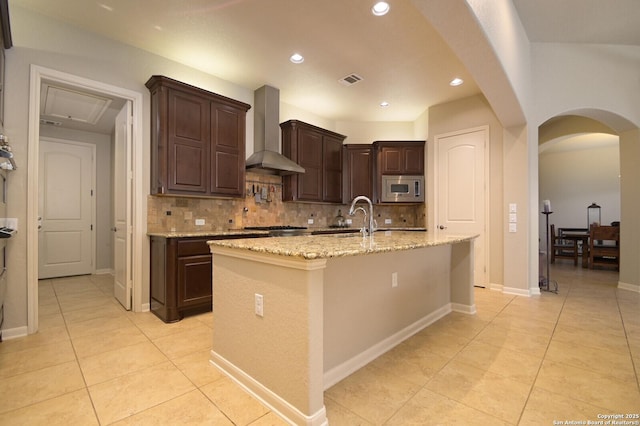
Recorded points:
535,379
75,353
626,336
423,387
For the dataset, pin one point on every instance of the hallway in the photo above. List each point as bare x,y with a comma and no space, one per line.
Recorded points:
519,361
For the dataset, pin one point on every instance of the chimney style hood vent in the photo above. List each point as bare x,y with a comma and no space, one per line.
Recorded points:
266,136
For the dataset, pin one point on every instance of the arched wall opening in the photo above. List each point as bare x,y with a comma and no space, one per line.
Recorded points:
601,128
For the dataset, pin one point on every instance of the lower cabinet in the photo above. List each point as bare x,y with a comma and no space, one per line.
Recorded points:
181,276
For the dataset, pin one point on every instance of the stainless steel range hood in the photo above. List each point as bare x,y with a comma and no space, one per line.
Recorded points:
266,136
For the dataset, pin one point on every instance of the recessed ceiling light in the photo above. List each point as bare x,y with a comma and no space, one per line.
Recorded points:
297,58
380,8
456,82
384,104
105,7
157,27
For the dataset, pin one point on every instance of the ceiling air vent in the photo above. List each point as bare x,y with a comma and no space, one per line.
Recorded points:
350,79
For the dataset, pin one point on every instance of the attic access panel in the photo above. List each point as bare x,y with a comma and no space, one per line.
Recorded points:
64,103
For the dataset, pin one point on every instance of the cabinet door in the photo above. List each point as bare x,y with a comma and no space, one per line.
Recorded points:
332,179
310,157
187,143
401,158
358,171
227,150
391,160
194,280
413,160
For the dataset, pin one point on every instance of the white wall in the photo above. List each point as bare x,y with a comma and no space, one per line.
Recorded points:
572,180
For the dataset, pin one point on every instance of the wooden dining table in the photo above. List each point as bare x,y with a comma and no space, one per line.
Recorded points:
579,235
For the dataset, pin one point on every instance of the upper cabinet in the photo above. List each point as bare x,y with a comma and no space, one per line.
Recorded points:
359,171
319,152
197,141
400,157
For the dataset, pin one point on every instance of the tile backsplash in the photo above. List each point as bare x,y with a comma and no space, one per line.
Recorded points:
262,206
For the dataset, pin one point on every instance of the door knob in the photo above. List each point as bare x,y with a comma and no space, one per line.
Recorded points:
442,227
114,229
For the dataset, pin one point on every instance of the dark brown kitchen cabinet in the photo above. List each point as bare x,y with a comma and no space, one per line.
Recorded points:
359,163
180,275
197,141
400,157
319,152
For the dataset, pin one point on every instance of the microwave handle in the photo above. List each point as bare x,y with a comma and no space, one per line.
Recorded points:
417,188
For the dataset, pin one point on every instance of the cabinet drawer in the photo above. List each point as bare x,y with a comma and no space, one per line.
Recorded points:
193,247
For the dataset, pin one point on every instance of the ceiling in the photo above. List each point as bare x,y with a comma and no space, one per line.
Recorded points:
400,57
581,21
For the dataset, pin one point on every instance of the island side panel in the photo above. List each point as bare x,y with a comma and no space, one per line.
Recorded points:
462,267
364,315
281,351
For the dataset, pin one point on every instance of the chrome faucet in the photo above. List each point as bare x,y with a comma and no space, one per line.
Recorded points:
352,211
363,230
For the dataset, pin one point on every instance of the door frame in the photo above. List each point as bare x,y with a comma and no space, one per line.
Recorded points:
37,74
92,147
487,187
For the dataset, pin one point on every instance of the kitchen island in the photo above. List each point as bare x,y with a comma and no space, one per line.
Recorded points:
295,315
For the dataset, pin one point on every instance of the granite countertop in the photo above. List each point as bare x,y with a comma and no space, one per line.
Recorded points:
248,232
338,245
225,233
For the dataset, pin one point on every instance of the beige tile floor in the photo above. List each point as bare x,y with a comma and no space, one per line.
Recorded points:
519,361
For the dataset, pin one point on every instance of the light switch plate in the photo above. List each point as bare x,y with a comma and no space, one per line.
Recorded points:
513,208
512,227
513,218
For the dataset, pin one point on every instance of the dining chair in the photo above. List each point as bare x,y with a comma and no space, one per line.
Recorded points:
562,248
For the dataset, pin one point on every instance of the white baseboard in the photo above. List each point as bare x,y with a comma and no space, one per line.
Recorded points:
104,271
629,287
146,307
465,309
516,291
496,287
14,333
282,408
352,365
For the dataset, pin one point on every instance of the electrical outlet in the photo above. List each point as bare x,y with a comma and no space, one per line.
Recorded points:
394,279
512,227
310,221
259,305
387,221
199,222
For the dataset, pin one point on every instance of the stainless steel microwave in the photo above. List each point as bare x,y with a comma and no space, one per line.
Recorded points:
402,189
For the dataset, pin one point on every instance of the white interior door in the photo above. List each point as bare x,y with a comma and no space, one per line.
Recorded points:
122,202
66,206
461,199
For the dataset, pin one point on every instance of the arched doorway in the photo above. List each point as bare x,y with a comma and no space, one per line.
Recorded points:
608,123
